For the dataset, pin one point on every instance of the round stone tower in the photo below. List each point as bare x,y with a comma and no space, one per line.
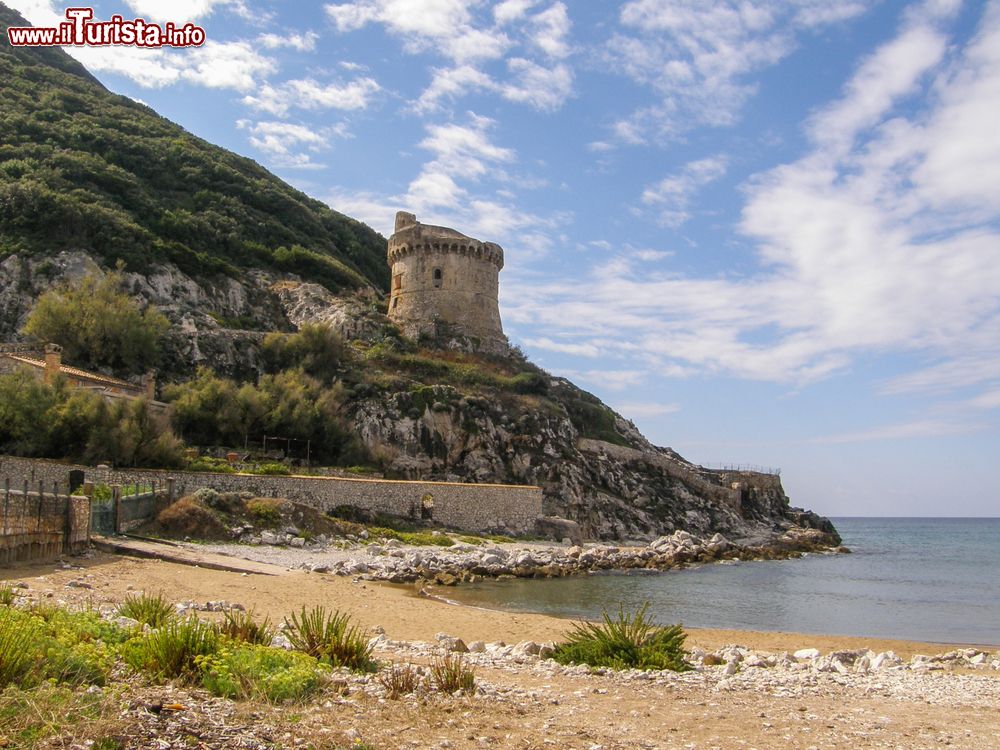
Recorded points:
445,285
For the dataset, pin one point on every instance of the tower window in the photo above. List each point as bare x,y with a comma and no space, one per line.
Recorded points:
437,278
397,281
395,302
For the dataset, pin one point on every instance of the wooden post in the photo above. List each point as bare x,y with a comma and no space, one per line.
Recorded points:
116,498
68,525
6,503
171,489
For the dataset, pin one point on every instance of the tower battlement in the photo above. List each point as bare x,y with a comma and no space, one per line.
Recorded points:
445,284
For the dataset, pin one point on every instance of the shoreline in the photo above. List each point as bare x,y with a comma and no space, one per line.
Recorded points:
718,635
781,691
398,609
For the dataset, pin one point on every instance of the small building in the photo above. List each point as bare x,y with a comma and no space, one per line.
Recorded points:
46,365
445,285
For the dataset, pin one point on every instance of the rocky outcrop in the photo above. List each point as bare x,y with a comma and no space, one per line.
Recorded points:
613,484
218,321
634,491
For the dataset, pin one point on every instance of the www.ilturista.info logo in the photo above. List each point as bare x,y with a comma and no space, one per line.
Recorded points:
81,30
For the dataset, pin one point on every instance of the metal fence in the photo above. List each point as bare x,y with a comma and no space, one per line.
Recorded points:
745,469
128,507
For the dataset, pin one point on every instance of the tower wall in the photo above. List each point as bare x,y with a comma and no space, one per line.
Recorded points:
445,284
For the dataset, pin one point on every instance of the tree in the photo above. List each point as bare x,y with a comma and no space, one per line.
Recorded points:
56,421
98,325
316,349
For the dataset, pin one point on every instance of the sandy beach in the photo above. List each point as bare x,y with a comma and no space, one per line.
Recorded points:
527,702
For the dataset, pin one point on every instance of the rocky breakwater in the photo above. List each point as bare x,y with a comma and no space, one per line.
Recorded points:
394,562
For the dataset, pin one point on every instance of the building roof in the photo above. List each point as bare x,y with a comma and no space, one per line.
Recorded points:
74,372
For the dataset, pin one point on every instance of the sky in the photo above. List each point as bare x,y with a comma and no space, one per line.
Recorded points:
766,231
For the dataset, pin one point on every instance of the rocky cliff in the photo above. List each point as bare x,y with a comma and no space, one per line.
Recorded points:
229,253
509,423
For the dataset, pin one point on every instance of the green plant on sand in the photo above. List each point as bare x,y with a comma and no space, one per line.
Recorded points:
238,625
331,638
146,608
626,641
451,675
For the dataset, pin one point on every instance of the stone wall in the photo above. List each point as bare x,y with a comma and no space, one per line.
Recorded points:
470,507
36,526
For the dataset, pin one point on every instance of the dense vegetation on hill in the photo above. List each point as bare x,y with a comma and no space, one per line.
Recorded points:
82,168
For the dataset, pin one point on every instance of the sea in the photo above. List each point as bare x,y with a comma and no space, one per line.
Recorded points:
924,579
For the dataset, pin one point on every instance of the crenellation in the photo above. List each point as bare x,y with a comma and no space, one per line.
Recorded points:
445,284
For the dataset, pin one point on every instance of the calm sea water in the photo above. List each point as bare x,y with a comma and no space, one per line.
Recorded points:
928,579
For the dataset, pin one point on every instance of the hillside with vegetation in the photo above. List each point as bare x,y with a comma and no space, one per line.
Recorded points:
81,167
136,246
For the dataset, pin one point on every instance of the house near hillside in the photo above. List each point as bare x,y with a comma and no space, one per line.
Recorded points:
46,365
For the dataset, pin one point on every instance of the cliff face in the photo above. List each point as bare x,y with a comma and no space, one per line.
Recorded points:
228,252
613,491
594,466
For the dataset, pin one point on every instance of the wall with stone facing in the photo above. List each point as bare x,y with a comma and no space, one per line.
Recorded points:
470,507
38,526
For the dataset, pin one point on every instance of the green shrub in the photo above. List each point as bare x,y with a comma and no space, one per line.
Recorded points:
400,679
628,641
331,638
174,649
260,672
238,625
79,647
209,464
265,510
450,675
419,538
18,650
99,325
6,594
271,469
154,611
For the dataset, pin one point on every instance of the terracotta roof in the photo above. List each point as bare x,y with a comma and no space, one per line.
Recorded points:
94,377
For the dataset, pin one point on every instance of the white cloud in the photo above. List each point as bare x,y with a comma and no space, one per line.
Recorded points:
588,349
420,24
226,65
698,57
987,400
180,11
302,42
534,47
882,238
307,93
672,195
286,144
232,65
551,30
645,409
538,86
450,84
512,10
932,428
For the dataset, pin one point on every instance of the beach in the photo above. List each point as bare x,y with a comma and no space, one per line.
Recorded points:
754,698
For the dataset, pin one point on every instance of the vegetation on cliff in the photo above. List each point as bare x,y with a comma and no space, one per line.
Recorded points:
98,325
82,168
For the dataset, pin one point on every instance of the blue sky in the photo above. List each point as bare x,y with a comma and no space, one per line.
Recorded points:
766,231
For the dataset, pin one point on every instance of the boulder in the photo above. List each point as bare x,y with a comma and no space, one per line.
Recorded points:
806,653
553,527
451,643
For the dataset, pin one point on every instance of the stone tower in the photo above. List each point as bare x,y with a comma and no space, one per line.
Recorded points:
445,285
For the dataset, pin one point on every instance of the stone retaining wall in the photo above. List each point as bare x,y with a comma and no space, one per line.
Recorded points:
470,507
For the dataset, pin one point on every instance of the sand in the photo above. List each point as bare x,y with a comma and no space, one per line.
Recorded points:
578,711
